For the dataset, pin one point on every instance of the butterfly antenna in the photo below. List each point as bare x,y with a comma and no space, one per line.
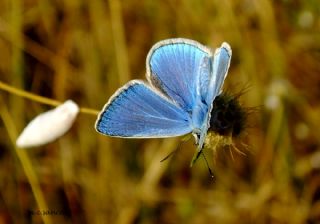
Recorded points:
205,159
195,158
171,153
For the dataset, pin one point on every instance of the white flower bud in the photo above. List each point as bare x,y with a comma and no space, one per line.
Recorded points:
48,126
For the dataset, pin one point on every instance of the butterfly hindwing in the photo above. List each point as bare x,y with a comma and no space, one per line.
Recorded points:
137,111
220,66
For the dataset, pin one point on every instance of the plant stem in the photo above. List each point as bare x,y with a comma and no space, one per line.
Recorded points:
41,99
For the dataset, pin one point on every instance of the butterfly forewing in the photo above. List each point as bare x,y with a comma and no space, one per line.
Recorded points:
174,67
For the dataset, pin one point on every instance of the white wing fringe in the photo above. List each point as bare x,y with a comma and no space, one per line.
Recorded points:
48,126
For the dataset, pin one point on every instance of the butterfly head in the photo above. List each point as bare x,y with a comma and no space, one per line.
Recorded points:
228,119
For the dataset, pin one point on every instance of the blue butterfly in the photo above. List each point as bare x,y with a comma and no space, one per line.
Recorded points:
184,78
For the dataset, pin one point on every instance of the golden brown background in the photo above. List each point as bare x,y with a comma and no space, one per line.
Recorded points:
85,50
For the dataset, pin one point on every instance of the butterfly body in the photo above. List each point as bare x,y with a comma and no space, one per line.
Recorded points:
184,77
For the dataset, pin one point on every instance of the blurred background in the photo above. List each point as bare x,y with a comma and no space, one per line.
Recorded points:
85,50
